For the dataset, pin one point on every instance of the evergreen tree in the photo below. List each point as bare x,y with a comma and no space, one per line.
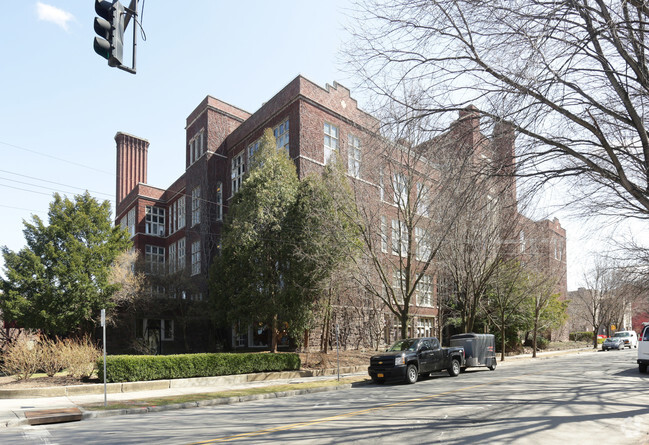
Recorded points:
59,282
279,246
248,284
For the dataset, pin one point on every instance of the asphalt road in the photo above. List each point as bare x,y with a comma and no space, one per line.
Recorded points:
590,398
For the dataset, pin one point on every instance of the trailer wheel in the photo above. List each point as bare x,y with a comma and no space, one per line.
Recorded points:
454,369
411,374
492,367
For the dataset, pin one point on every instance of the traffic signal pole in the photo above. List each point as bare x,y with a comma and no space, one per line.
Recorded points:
131,11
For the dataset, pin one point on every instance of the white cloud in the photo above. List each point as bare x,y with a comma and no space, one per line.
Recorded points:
52,14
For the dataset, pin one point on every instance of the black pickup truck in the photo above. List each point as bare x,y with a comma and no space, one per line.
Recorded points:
409,358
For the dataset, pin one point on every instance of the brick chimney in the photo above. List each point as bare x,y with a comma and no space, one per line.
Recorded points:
131,163
468,125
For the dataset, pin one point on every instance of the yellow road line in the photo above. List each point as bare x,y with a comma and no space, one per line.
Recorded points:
351,414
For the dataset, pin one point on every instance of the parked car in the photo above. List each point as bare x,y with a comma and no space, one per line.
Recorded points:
408,359
479,349
613,343
643,348
630,338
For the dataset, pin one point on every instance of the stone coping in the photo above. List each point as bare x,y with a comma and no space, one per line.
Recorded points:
112,388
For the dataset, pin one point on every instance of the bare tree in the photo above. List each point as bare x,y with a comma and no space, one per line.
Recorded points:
599,300
403,223
131,294
572,77
486,227
508,290
547,310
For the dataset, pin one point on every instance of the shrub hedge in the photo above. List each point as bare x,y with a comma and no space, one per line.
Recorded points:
133,368
581,336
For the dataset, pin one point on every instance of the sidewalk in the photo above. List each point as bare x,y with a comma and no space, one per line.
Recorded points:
15,402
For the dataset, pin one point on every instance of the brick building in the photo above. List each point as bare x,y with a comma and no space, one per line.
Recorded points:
178,229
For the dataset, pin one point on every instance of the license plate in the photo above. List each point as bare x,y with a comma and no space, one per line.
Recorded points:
380,376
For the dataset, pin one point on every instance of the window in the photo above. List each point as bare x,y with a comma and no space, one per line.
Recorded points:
384,234
281,135
354,156
522,241
181,213
238,169
399,238
167,329
398,285
173,258
445,287
157,291
423,199
154,259
381,185
330,141
422,241
154,328
196,205
219,201
252,149
172,218
196,148
155,221
425,328
558,250
131,222
181,254
400,189
123,223
425,291
196,257
240,339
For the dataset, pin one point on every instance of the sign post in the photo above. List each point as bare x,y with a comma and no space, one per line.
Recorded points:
338,351
103,326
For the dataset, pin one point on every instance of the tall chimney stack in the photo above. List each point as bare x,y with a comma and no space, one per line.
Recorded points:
131,163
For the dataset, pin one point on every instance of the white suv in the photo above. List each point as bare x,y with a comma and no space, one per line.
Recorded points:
643,348
630,338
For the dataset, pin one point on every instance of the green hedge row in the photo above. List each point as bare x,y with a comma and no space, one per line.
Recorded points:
133,368
581,336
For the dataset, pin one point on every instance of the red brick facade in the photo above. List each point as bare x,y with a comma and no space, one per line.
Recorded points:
217,133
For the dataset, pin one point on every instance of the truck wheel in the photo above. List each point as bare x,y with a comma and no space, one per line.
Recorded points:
492,367
454,369
411,374
642,367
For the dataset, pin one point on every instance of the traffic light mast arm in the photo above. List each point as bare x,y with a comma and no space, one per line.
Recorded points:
131,11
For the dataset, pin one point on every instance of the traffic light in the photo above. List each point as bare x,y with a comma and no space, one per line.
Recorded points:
110,28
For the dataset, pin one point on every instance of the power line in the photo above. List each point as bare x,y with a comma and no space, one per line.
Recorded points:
35,191
54,157
21,208
50,182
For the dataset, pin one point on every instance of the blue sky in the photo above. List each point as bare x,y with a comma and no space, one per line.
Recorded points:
61,104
